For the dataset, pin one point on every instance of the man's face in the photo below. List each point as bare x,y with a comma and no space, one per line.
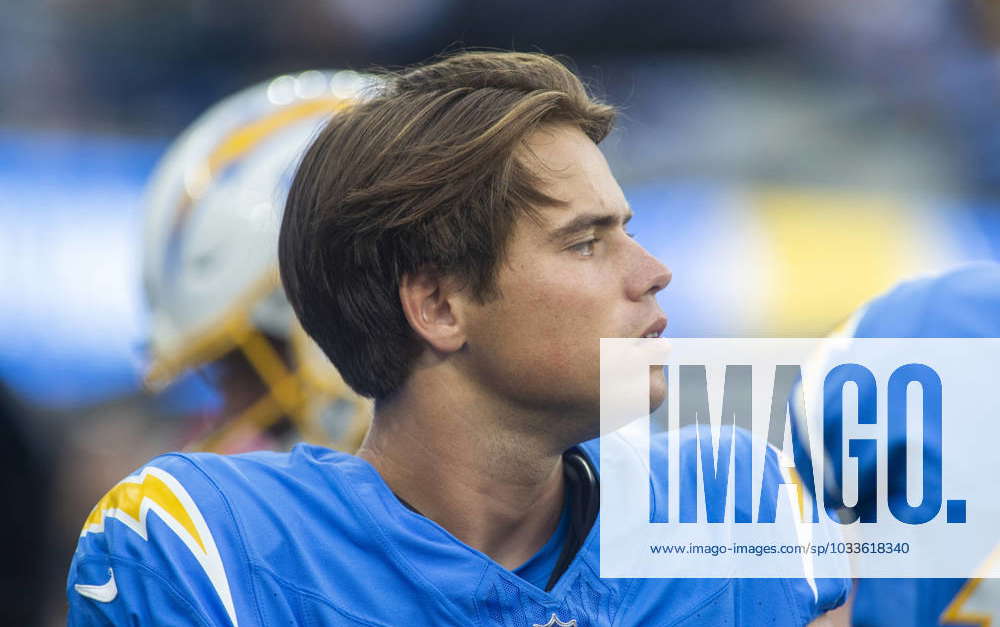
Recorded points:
567,282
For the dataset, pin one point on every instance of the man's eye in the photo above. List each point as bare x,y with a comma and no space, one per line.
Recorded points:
586,248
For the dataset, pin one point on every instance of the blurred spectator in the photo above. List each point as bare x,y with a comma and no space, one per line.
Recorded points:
26,472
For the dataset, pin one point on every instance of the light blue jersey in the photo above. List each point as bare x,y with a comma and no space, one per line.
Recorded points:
962,303
316,537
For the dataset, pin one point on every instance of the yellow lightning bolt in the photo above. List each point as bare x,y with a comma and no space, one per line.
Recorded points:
958,611
128,496
130,501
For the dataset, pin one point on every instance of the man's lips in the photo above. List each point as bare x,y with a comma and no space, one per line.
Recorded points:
655,329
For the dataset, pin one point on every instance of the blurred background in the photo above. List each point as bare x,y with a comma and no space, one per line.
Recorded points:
787,160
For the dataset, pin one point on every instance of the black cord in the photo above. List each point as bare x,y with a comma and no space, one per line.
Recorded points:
583,490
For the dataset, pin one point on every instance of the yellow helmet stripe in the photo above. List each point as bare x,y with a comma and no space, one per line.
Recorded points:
245,138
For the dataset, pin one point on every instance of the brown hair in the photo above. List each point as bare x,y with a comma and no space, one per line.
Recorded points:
423,176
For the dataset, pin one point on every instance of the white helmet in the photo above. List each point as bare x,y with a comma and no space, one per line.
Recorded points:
212,214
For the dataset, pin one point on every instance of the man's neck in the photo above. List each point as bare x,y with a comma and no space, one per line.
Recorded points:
498,490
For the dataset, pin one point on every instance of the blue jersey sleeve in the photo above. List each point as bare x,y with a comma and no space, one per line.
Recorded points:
129,593
159,548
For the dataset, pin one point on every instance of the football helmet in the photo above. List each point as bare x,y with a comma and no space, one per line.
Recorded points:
212,212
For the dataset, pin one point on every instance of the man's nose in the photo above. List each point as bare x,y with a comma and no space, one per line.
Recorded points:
648,276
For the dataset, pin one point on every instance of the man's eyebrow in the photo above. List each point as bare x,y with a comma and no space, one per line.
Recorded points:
587,221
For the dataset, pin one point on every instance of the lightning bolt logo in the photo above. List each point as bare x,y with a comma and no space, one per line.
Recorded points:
978,602
156,490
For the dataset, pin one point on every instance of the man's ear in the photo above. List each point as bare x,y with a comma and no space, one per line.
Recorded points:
432,305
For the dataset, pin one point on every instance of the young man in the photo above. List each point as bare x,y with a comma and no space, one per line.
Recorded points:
457,246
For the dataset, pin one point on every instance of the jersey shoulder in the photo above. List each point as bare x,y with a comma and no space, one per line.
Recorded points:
199,537
160,540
